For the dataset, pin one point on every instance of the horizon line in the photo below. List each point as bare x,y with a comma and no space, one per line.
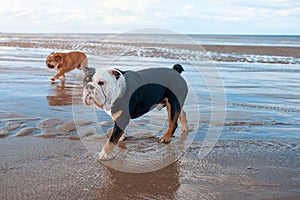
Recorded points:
143,33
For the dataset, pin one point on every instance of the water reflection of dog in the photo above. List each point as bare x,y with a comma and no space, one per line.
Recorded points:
160,184
61,95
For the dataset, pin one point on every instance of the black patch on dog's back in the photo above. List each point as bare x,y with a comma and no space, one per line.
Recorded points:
147,97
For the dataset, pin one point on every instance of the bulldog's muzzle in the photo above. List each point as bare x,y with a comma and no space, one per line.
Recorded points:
91,96
50,66
90,88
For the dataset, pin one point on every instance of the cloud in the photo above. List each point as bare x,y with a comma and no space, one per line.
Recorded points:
215,16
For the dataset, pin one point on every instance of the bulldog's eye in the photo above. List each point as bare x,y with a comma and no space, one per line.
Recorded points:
100,83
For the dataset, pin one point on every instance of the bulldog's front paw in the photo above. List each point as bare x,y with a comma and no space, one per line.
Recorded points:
104,155
107,151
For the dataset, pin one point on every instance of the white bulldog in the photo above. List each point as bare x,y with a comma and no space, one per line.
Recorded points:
126,95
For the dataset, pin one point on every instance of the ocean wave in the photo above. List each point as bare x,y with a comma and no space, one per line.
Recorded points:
156,50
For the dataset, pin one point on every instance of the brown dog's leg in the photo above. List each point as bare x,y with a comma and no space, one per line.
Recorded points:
173,115
63,77
59,74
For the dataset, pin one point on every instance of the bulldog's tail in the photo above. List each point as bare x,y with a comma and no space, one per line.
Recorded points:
178,68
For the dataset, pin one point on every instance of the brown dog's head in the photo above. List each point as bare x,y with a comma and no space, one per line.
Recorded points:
54,60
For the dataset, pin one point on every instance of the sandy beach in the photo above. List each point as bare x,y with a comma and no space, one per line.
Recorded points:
44,157
36,168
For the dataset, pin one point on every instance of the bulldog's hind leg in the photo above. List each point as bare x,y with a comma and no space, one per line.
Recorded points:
83,65
173,109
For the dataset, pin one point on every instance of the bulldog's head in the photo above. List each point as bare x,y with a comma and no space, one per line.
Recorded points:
54,60
102,88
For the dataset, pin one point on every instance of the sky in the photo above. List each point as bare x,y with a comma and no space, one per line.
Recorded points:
276,17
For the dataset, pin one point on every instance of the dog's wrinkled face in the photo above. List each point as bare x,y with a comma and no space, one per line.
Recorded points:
102,88
54,60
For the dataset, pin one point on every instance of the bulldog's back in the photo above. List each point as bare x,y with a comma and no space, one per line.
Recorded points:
161,76
147,88
76,59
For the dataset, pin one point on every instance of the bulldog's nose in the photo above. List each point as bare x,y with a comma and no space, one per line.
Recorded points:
50,66
90,87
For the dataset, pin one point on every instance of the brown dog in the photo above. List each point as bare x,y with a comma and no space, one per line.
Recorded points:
65,62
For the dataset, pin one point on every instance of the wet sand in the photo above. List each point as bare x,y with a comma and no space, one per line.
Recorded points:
36,168
42,156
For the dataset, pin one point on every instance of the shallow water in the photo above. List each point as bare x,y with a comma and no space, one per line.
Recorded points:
257,150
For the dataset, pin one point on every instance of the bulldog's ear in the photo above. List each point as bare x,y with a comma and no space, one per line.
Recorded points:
89,70
116,73
58,57
89,73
